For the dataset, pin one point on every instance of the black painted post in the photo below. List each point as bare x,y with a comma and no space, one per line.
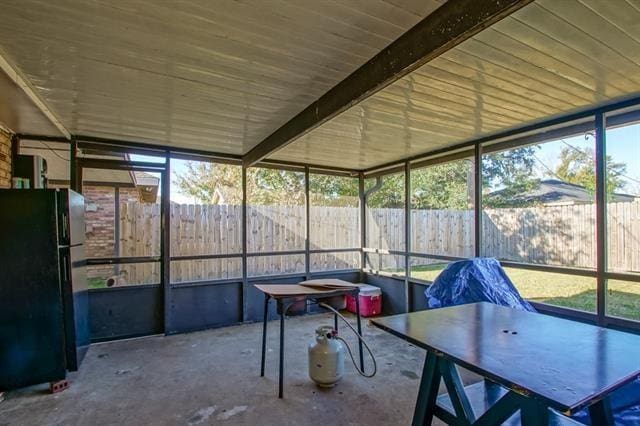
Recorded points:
363,224
74,183
243,290
307,241
264,333
116,225
165,241
407,236
281,374
601,217
359,321
15,151
477,202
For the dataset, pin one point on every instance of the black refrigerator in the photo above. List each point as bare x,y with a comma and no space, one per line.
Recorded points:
44,306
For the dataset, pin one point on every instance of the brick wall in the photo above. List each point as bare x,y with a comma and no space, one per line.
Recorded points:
99,219
5,159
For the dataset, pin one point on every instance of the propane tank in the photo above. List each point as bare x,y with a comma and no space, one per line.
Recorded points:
326,357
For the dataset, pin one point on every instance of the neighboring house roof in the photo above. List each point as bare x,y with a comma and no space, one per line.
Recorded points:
147,186
557,192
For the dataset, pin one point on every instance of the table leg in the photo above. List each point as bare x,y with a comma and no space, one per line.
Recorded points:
335,322
264,333
359,331
280,377
601,414
427,392
492,391
455,389
534,413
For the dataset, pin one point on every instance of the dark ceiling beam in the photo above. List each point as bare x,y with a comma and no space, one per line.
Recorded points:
445,28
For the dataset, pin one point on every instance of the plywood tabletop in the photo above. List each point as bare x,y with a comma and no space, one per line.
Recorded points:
305,288
567,363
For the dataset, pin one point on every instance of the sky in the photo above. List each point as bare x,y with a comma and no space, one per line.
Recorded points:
623,144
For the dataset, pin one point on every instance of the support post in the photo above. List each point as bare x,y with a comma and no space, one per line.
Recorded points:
307,235
116,225
477,202
601,217
281,366
165,241
245,281
407,236
15,150
363,222
264,333
359,324
74,183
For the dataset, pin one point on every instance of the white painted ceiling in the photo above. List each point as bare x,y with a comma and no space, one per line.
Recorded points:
210,75
221,76
549,58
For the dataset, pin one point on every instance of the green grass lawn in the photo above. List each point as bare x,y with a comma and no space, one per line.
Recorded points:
96,282
562,290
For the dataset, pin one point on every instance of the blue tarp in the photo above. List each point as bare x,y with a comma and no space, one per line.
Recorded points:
625,405
484,280
476,280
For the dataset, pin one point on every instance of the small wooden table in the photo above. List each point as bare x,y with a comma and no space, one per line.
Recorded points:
531,362
285,295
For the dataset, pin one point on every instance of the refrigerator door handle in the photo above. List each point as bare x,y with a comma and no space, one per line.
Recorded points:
66,269
65,227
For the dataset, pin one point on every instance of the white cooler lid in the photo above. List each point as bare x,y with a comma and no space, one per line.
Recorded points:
369,290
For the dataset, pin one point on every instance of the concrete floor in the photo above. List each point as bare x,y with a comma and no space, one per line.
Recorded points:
212,377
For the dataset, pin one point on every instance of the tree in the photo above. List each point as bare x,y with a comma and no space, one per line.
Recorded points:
333,191
511,172
389,192
450,185
275,187
212,183
577,166
441,186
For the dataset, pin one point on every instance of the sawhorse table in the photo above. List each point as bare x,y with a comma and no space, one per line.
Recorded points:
286,295
531,363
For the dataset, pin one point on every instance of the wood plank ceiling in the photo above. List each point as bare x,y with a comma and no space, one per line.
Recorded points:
547,59
222,78
193,74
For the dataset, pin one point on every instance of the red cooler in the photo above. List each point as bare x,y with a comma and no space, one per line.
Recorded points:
370,301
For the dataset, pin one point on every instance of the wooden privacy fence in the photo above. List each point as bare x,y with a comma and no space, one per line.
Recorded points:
556,235
217,230
564,235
